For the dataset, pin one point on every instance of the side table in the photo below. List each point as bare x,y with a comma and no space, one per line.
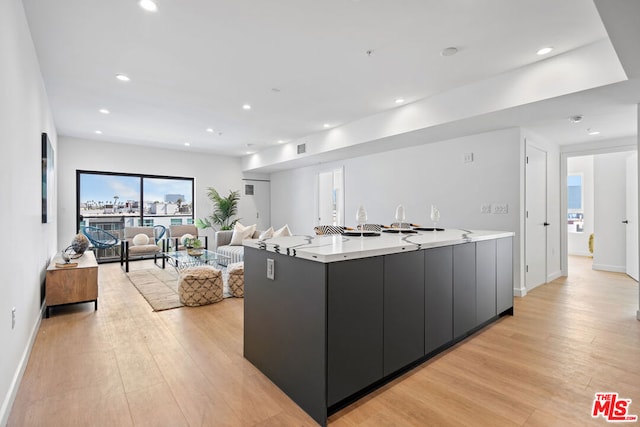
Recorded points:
72,285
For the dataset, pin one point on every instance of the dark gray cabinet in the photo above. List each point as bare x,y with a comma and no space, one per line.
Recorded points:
485,281
326,332
438,273
504,274
354,326
403,310
464,288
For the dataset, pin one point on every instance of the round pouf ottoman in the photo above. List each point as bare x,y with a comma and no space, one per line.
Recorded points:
200,286
236,279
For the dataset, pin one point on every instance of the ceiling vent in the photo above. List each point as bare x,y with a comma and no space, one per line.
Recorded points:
302,148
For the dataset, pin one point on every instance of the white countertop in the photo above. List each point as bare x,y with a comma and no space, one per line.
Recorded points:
332,248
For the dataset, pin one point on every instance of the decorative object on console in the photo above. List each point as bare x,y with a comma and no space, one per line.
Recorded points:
224,208
79,244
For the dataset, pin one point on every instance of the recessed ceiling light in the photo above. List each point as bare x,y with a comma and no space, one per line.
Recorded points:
399,100
148,5
593,132
122,77
246,107
99,132
576,119
104,111
280,141
545,50
210,130
449,51
186,144
326,125
248,152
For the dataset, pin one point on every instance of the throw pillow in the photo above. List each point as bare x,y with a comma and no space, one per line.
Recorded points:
240,233
184,238
140,239
266,234
282,232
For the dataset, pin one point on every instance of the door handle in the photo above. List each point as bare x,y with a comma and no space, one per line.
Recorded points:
625,222
546,224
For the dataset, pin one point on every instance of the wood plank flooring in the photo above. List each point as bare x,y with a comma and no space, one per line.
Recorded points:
125,365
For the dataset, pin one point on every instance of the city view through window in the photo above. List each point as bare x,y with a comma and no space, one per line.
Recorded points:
115,201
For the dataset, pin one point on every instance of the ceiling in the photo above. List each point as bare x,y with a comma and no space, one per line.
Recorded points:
300,64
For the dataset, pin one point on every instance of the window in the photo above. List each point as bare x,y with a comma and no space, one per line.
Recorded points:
575,209
114,201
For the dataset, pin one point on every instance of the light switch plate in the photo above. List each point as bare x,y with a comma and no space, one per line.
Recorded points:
468,157
500,208
485,208
271,269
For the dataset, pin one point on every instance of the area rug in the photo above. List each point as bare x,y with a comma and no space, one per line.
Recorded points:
160,286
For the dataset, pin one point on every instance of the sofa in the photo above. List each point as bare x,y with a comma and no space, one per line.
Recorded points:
235,253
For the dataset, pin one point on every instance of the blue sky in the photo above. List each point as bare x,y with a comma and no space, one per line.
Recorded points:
105,187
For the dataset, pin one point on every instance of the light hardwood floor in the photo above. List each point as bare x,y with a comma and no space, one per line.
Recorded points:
126,365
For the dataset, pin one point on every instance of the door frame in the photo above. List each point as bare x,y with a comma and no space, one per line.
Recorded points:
578,150
527,144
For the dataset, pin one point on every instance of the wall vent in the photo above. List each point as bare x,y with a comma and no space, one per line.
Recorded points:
302,148
248,189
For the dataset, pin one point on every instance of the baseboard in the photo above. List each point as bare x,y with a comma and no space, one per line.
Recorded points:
612,268
5,410
553,276
585,253
519,292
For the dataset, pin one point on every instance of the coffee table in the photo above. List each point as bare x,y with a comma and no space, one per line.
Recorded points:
181,260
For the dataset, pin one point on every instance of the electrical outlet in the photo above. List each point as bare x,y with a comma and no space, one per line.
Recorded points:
468,157
13,317
485,208
500,208
271,269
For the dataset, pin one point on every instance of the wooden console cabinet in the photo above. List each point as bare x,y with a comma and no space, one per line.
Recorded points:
72,285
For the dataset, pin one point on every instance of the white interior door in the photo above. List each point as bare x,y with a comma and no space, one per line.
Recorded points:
536,217
632,215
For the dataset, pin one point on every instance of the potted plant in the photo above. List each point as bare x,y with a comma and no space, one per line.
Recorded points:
194,246
224,208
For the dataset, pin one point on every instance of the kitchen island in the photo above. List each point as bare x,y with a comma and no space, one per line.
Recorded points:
330,318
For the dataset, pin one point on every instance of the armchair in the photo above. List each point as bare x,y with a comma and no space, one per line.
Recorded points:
131,248
176,232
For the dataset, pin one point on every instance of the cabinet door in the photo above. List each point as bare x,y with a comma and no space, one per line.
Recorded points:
354,326
464,288
504,274
485,280
438,270
403,309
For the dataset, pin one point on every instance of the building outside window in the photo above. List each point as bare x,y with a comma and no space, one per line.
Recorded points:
113,201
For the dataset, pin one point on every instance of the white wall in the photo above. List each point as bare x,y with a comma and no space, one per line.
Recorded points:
222,173
578,243
417,177
610,209
24,114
